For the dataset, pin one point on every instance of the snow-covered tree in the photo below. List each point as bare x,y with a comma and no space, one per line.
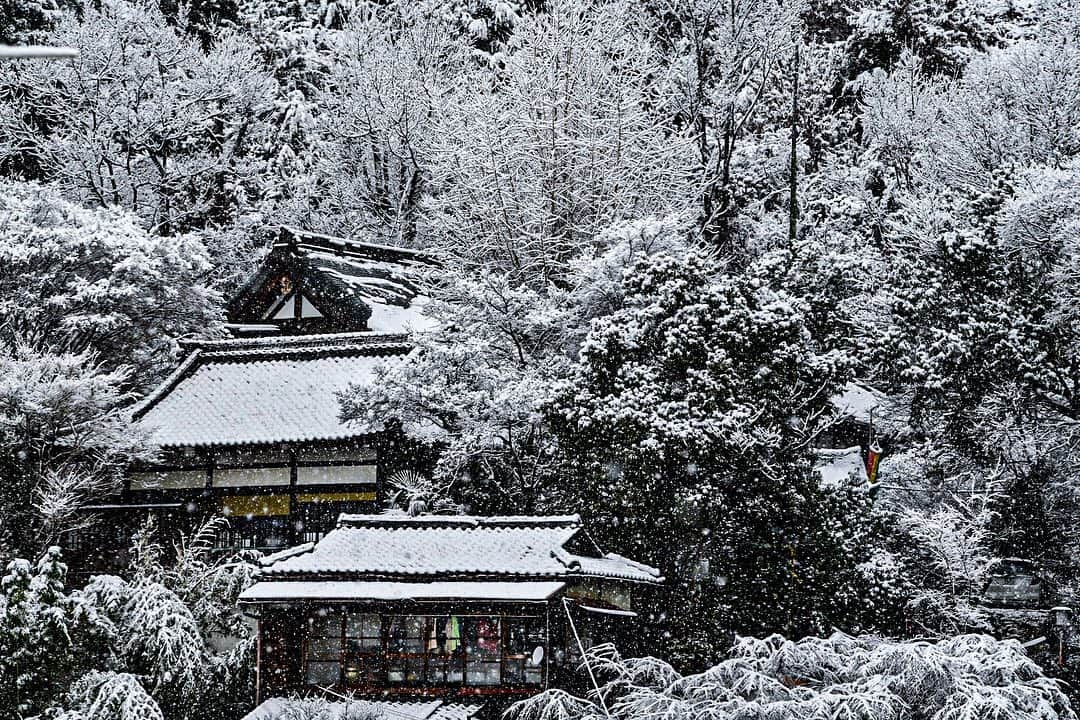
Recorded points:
62,440
854,678
720,59
528,169
109,696
76,280
687,426
144,119
374,121
47,637
478,383
165,616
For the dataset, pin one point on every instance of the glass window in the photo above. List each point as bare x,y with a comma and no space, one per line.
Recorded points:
336,475
367,651
363,649
445,653
524,650
168,480
322,651
405,645
483,651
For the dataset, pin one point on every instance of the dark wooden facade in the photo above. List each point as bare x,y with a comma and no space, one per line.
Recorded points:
409,650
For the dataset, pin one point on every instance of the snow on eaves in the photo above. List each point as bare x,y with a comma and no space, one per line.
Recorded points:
365,590
453,547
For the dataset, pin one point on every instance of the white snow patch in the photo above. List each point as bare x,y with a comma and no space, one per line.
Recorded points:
396,319
839,468
858,401
281,708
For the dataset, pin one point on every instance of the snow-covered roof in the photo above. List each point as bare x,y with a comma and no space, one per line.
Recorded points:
280,389
837,467
359,285
354,590
282,708
452,547
858,401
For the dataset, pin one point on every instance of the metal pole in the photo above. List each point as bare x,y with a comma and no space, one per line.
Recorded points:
36,52
585,657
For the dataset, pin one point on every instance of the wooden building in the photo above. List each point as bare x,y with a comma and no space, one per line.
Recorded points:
430,617
452,607
248,427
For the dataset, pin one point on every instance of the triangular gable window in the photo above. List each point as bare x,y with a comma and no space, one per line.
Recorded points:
285,309
308,309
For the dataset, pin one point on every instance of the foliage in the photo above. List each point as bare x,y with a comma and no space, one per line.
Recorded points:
838,677
76,281
47,637
704,390
63,440
144,119
527,171
478,383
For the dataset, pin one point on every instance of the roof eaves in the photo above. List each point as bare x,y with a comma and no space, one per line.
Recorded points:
300,240
167,385
326,437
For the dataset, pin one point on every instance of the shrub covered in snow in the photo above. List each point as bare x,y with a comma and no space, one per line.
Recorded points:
840,677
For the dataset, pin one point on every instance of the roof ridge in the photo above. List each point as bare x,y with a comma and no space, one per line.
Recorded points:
302,548
289,236
300,353
355,520
354,338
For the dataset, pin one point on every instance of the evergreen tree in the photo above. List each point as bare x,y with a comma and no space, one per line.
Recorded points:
687,426
47,637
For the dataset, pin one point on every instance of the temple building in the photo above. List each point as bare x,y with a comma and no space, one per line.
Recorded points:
487,609
249,427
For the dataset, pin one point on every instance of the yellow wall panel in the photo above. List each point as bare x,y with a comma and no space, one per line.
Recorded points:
255,505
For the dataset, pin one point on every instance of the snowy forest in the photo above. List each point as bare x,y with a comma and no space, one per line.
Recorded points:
670,234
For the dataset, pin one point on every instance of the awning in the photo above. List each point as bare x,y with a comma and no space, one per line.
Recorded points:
603,609
357,590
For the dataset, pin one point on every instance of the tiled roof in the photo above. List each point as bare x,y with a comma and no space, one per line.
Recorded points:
235,392
285,708
452,547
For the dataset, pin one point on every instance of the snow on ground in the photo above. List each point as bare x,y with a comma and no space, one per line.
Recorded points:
343,709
